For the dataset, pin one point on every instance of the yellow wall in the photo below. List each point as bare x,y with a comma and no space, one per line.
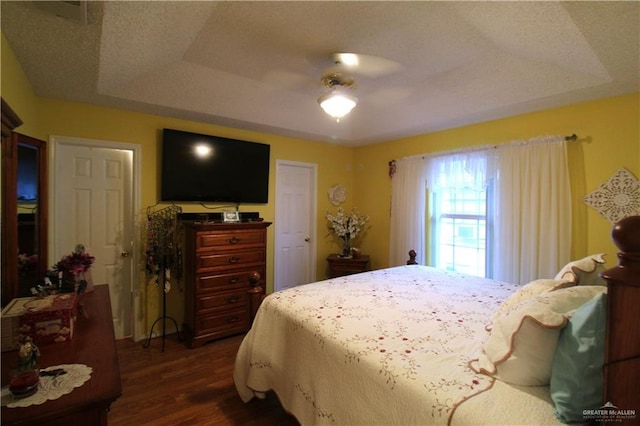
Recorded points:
608,130
609,139
80,120
44,117
16,90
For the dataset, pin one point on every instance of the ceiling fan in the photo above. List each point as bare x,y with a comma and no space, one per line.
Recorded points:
338,79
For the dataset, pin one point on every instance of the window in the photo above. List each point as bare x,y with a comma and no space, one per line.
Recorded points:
458,211
460,230
522,228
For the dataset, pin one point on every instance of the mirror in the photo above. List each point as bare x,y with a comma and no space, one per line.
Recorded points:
31,162
24,210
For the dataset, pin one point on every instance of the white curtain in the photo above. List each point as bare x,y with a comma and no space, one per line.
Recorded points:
530,215
407,211
532,211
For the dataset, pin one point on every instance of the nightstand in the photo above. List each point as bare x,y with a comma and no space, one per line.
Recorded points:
339,266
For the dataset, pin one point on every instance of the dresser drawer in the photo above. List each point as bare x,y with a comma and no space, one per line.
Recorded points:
232,300
224,323
229,260
220,259
226,281
231,239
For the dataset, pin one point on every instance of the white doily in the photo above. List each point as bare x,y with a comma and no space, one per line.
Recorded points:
51,387
337,195
617,198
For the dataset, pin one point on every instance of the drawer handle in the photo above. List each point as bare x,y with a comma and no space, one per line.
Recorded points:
233,299
234,259
233,280
233,240
232,319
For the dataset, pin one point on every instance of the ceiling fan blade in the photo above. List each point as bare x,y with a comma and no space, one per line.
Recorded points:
367,65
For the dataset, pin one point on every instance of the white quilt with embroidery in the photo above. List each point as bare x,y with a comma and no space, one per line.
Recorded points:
386,347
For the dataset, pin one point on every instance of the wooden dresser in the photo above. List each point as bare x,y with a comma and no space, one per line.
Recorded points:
93,344
225,268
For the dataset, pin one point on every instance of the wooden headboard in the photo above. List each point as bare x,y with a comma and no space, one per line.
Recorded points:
622,356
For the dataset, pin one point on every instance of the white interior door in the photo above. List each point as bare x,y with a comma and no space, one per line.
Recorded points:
295,230
94,205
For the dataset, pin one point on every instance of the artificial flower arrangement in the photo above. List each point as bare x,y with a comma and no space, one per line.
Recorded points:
347,226
76,262
72,269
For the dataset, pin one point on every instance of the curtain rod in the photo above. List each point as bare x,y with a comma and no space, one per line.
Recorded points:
392,163
570,138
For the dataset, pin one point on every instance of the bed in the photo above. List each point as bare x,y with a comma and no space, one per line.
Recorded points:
413,345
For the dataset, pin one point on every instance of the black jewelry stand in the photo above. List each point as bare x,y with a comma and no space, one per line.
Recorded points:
164,316
163,255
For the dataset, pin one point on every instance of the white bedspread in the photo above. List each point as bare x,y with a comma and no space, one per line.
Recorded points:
387,347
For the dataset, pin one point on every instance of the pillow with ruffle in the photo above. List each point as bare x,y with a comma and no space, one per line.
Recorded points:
585,271
522,342
576,374
531,289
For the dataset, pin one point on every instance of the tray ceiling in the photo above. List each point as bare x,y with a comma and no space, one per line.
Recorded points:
257,65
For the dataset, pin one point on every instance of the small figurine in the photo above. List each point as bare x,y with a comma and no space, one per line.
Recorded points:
28,354
24,379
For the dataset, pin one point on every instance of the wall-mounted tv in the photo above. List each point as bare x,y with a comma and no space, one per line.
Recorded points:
203,168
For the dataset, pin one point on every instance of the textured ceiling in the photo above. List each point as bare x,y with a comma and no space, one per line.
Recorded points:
257,65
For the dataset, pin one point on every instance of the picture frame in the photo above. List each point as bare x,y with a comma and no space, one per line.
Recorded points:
231,216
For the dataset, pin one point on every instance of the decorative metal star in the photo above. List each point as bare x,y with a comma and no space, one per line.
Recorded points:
618,198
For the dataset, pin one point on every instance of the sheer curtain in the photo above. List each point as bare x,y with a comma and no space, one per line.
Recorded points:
408,213
459,170
532,211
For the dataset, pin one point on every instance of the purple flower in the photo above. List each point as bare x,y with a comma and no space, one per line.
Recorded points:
74,263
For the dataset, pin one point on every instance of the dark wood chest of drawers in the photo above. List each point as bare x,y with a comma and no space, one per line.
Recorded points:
221,290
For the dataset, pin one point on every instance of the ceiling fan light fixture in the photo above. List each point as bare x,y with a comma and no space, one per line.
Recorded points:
337,104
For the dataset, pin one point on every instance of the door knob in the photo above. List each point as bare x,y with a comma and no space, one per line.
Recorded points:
124,253
307,239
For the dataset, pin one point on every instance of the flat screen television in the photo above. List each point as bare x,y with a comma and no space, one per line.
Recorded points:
203,168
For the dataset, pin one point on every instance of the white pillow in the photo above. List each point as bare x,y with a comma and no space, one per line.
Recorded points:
585,271
522,343
529,290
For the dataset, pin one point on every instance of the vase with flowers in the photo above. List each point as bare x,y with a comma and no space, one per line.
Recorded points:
347,226
74,271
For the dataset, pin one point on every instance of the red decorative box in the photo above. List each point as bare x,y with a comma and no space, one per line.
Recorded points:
49,319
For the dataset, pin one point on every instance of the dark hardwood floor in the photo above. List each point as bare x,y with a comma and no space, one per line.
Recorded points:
183,386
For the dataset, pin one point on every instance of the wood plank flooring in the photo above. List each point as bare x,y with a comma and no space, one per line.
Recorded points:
183,386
